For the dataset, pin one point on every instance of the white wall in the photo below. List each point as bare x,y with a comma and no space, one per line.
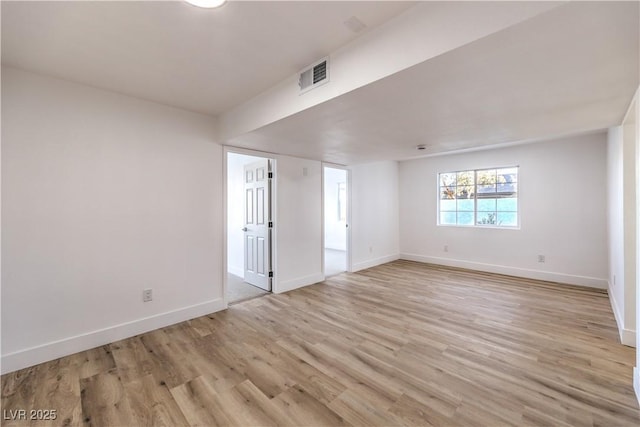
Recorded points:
623,161
103,195
622,216
636,369
630,218
335,230
615,219
374,214
298,223
235,211
298,219
562,194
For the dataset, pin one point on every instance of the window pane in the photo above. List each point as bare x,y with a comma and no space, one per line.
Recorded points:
465,205
484,197
448,205
486,205
448,192
465,178
508,219
508,204
511,187
508,175
465,218
487,177
487,218
486,189
447,179
448,218
464,192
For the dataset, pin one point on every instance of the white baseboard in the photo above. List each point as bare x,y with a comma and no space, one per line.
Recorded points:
373,262
636,382
236,271
615,309
550,276
64,347
627,336
299,282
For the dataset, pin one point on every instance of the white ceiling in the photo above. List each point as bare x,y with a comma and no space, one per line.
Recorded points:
205,60
570,70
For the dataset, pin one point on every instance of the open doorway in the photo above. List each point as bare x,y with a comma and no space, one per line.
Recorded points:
336,214
249,226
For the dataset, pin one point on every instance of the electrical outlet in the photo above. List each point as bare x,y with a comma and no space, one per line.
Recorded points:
147,295
446,248
370,249
541,258
614,280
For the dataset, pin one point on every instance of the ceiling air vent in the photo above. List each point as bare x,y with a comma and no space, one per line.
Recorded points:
314,75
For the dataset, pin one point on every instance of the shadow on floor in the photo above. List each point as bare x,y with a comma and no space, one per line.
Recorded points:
238,290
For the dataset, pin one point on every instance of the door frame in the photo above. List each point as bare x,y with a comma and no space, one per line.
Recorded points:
226,149
349,204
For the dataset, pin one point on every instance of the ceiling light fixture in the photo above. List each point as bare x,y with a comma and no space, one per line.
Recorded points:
208,4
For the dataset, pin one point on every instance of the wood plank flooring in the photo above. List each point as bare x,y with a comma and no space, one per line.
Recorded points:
400,344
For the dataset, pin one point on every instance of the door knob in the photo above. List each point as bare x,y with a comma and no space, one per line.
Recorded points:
244,229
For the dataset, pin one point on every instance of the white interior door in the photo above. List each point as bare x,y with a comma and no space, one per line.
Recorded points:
257,218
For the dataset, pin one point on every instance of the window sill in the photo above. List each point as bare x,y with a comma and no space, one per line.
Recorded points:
492,227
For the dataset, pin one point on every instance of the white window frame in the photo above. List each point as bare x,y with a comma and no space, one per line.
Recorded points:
475,200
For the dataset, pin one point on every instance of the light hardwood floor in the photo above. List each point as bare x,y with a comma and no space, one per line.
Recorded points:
400,344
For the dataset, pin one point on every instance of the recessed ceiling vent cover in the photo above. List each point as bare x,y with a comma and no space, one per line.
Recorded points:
313,76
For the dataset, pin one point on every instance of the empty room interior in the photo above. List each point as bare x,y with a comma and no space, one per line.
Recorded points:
319,213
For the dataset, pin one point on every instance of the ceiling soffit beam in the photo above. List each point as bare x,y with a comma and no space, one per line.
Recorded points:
422,32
